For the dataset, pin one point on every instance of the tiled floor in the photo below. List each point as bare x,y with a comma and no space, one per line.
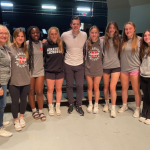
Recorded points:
73,132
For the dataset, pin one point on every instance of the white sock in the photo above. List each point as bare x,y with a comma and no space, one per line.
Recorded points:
124,104
96,104
34,110
90,102
40,111
137,107
113,106
57,104
107,101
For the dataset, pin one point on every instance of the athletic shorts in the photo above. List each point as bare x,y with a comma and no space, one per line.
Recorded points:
133,73
54,76
112,70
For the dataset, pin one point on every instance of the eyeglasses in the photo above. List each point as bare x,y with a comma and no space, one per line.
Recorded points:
1,33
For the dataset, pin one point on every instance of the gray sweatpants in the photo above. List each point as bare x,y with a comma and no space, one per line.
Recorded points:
77,73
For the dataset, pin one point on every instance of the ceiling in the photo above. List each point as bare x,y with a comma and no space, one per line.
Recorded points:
64,7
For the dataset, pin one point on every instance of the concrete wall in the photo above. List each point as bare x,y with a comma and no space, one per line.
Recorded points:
137,11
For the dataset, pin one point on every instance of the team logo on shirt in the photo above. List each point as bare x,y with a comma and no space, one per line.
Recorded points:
21,60
41,49
94,54
53,50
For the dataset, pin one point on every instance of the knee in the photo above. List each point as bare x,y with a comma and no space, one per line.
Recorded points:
106,86
90,87
112,88
137,92
50,90
96,88
79,86
39,93
58,89
31,92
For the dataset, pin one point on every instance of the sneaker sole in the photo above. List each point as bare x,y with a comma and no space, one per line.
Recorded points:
123,111
51,114
6,136
18,129
22,126
80,114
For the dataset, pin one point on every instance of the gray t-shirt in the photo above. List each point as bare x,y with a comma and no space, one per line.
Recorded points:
111,59
130,61
38,59
145,66
93,59
19,69
74,47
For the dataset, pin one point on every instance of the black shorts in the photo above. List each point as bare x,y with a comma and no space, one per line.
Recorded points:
112,70
54,76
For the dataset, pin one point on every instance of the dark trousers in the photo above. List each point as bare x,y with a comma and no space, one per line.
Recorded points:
17,92
145,85
77,73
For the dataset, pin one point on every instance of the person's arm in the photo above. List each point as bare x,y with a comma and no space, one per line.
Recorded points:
1,90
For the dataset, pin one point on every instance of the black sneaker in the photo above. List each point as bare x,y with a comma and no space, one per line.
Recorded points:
80,110
70,109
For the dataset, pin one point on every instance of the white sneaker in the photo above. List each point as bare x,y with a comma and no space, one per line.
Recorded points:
17,125
136,113
22,122
95,110
113,113
5,133
51,109
5,123
142,119
123,109
147,121
58,111
106,108
90,108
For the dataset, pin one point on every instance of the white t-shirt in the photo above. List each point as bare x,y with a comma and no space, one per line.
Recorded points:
74,47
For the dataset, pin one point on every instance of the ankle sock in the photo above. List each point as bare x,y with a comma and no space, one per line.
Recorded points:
34,110
40,111
57,104
90,102
113,106
96,104
107,101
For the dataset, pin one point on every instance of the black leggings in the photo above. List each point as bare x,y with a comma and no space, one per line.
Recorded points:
145,85
17,92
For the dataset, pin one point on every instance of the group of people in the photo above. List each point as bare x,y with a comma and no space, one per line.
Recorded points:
25,64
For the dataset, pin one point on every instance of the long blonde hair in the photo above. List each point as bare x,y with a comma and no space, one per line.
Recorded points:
89,41
24,46
134,45
8,43
59,41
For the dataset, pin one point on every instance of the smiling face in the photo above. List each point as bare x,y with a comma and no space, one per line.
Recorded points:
129,30
3,36
147,37
35,34
53,34
75,25
94,33
20,38
111,30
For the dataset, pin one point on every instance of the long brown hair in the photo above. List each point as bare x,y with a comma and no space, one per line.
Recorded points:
144,46
59,41
89,41
116,41
24,46
134,45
